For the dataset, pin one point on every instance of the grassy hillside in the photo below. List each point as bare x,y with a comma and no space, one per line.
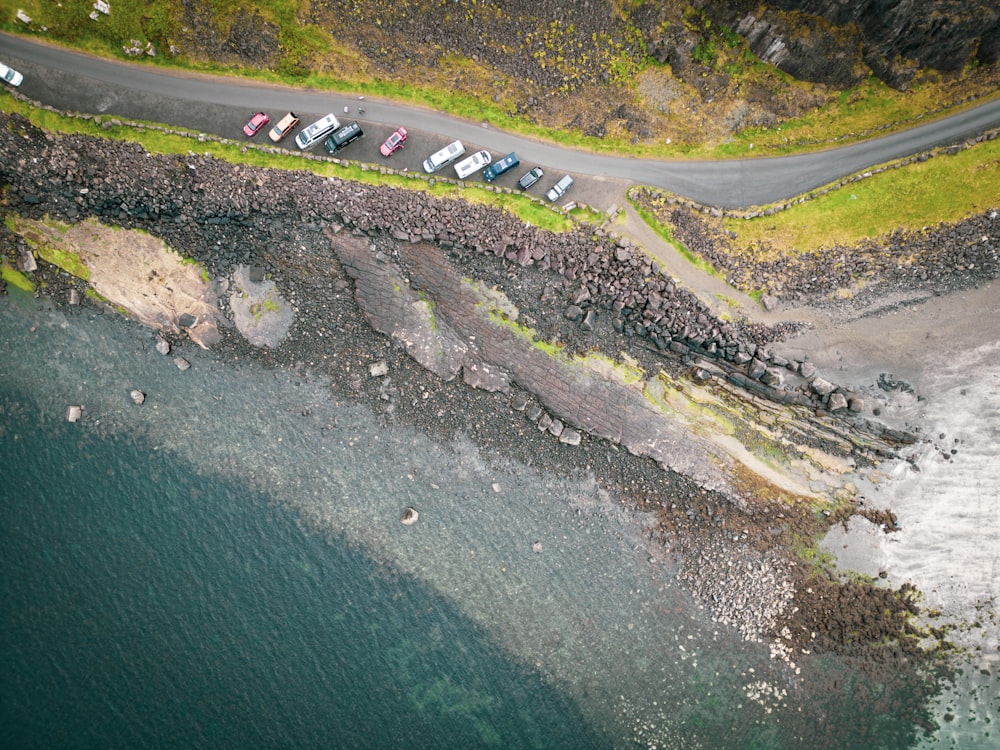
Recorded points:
583,73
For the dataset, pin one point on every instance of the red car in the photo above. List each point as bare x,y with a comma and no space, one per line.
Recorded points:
255,124
393,142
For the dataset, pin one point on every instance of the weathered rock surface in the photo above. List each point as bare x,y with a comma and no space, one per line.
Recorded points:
838,43
135,271
260,312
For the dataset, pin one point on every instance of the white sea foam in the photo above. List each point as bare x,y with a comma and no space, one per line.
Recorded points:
949,543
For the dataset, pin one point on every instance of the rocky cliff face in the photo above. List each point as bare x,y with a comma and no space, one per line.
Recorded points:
840,41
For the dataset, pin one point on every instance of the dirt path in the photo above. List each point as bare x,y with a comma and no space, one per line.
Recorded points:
902,333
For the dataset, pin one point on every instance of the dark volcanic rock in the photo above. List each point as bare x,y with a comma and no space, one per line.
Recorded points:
837,42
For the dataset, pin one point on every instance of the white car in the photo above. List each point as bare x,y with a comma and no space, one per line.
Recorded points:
11,76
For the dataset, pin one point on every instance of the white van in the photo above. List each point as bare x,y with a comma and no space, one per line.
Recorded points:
471,165
445,156
317,131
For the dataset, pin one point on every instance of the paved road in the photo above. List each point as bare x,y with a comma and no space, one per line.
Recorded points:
73,81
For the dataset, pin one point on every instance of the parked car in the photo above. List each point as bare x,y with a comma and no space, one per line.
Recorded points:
394,142
343,137
500,166
11,76
255,124
558,190
530,178
285,126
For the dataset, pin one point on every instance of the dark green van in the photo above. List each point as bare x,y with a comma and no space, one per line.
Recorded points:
343,137
500,166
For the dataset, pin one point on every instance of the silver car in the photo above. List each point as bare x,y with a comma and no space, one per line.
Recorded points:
558,190
11,76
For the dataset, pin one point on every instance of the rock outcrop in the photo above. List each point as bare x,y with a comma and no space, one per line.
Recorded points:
835,42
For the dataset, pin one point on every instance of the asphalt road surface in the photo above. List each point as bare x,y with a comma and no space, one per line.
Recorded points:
211,104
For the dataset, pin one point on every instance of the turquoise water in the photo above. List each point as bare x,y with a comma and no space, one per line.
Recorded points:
148,606
224,566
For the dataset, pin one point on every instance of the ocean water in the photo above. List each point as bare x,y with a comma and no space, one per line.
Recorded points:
224,566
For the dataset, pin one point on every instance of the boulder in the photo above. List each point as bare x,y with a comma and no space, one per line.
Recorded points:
26,262
74,413
205,334
700,375
573,313
570,437
410,516
138,397
837,402
182,364
822,387
771,377
378,369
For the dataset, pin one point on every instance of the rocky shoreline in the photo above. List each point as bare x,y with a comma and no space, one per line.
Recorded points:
584,288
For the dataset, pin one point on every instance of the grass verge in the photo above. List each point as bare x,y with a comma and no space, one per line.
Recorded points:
945,189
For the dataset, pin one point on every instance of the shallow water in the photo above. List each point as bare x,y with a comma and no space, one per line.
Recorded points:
224,565
949,544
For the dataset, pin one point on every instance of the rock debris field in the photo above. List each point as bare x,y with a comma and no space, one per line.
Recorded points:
584,288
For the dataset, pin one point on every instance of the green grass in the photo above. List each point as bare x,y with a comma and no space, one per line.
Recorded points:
15,278
91,294
943,189
67,261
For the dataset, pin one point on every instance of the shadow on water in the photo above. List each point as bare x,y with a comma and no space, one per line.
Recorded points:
147,606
